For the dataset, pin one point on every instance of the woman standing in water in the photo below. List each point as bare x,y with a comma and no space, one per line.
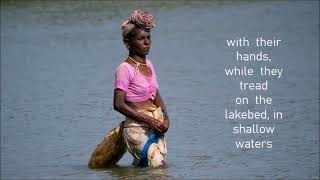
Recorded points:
137,96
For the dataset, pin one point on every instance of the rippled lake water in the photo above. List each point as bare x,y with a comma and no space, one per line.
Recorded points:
57,68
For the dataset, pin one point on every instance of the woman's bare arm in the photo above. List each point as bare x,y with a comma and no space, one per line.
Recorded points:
160,103
120,105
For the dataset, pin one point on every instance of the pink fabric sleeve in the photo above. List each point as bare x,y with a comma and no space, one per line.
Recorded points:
122,78
152,69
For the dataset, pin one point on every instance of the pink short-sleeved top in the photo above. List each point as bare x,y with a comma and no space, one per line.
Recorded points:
138,86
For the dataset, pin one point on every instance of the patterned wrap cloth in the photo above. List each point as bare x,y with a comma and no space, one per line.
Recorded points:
136,135
131,135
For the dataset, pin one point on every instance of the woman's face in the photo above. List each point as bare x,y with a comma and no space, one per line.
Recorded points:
140,42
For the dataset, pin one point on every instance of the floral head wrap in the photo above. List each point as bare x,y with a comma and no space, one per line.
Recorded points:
140,19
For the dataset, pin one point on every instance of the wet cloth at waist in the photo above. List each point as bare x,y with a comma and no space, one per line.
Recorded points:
146,152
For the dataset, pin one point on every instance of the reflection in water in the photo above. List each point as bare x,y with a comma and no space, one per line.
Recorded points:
137,172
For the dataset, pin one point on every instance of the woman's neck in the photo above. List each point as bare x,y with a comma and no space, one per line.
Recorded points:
140,59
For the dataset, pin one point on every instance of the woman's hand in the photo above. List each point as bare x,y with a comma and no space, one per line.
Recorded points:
165,124
159,103
157,126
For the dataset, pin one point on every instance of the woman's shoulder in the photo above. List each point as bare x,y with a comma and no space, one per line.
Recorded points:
123,66
149,63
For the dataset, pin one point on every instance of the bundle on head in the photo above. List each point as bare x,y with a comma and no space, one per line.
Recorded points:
138,19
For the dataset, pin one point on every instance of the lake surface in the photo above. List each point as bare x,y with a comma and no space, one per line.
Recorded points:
57,72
